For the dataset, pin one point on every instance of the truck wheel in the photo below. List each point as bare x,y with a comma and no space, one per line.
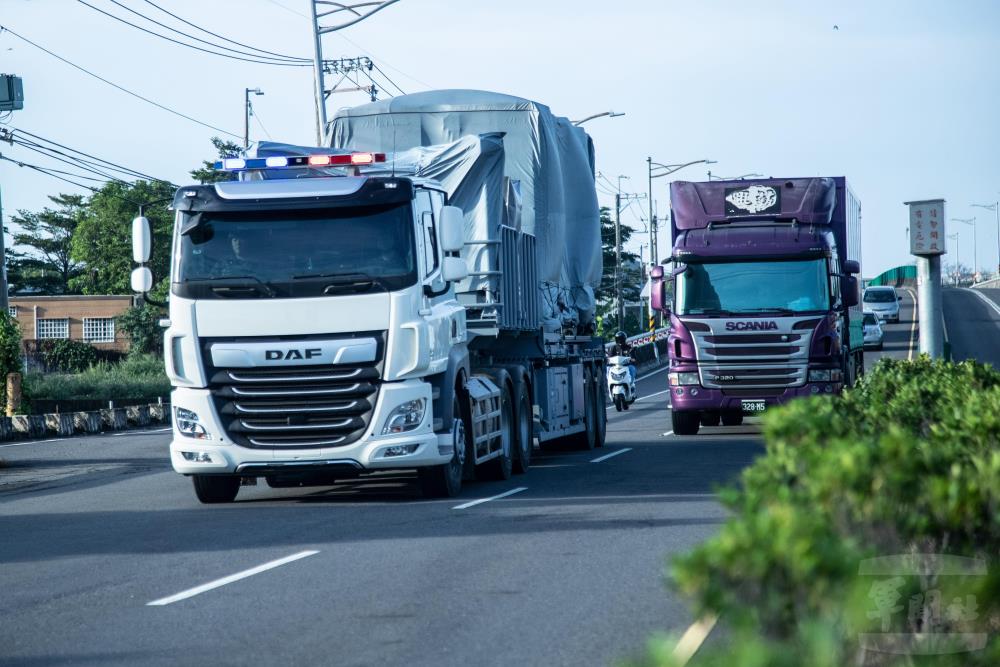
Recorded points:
732,418
710,418
212,489
600,414
501,467
685,423
525,431
445,481
587,439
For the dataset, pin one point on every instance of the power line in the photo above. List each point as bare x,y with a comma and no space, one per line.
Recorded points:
121,88
253,112
42,151
401,91
190,46
47,173
209,32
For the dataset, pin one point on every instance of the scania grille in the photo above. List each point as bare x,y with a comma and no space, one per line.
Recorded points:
728,377
296,407
752,360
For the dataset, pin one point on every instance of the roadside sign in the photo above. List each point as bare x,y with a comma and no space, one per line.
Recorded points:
927,231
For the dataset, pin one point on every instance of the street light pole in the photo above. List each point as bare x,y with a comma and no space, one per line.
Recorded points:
609,114
995,207
975,253
246,113
958,258
618,255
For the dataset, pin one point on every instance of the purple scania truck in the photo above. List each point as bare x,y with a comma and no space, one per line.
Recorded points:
765,296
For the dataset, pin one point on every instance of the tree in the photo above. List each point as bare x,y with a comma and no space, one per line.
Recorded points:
631,276
102,242
41,258
207,174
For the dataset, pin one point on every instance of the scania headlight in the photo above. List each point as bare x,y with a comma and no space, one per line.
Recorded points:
679,379
189,425
405,417
821,375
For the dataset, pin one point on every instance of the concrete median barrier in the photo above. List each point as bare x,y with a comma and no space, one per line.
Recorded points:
59,423
137,415
87,422
6,429
114,419
29,426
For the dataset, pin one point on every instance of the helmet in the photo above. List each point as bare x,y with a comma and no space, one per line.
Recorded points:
620,337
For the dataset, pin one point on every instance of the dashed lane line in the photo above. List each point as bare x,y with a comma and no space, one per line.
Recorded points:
612,454
198,590
692,639
473,503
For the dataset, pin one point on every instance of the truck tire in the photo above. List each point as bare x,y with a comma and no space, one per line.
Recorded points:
212,489
501,467
524,431
587,439
710,418
600,413
685,423
445,481
732,418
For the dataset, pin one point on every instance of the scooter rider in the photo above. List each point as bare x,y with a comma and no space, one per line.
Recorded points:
621,348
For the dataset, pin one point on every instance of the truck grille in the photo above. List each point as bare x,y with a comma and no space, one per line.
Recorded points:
296,407
753,360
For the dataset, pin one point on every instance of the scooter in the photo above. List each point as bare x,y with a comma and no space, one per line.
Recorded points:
621,387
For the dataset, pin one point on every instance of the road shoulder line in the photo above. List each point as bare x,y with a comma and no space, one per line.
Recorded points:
473,503
612,454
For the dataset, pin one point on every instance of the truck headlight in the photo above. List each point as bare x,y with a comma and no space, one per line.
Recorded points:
679,379
189,425
405,417
824,375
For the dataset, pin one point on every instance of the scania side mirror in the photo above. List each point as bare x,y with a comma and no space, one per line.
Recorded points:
454,269
849,290
657,288
852,267
142,241
142,280
452,229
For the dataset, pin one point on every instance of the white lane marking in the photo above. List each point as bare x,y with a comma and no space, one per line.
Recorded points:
913,327
197,590
986,300
608,456
692,639
145,430
473,503
36,442
668,433
652,373
659,393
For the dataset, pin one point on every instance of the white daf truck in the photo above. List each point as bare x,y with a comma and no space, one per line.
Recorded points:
332,314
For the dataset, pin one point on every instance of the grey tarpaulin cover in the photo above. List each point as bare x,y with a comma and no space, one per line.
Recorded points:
551,159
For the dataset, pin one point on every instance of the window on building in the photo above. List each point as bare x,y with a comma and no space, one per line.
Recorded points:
12,310
52,328
99,329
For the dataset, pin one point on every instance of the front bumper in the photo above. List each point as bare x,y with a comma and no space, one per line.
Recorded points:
217,454
694,397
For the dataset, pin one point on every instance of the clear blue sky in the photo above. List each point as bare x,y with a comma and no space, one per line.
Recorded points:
903,98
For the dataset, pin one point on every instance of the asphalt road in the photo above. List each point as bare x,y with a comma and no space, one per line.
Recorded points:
972,321
569,570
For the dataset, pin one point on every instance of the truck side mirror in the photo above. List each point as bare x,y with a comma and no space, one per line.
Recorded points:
852,267
849,290
142,241
142,280
657,289
452,229
454,269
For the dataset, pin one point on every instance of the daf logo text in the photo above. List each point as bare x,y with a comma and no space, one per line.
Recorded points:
287,355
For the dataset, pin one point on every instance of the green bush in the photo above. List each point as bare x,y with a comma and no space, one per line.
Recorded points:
67,356
10,352
908,462
138,376
142,326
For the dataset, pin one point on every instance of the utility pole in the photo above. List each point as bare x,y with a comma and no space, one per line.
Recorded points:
4,303
247,110
355,12
618,258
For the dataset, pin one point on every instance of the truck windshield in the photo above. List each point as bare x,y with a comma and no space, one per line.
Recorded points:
294,253
753,287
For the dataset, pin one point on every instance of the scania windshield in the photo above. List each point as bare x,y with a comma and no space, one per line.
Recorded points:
784,287
296,253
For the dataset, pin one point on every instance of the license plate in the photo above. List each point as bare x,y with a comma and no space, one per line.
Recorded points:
753,407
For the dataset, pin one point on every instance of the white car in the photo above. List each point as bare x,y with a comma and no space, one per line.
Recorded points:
883,301
873,330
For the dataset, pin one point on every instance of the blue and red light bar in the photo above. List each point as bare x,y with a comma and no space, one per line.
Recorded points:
278,162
